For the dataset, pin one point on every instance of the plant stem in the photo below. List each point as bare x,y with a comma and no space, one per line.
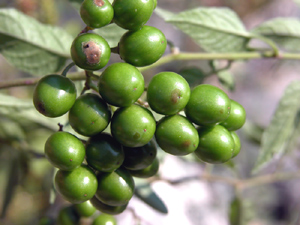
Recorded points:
169,58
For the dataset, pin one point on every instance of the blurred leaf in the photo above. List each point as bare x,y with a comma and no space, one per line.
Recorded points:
13,178
21,110
226,78
297,2
76,3
235,213
111,33
283,31
10,130
193,75
284,124
144,192
253,131
213,29
164,14
30,46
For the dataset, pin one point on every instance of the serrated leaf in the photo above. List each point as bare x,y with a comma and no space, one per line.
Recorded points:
31,46
283,31
111,33
21,110
164,14
278,134
144,192
213,29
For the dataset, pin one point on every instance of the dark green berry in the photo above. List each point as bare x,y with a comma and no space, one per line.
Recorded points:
104,208
104,153
147,172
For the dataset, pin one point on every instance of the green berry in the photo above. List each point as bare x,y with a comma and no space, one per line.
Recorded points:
176,135
105,219
142,47
78,185
89,115
67,216
116,188
104,153
208,105
96,13
104,208
147,172
64,151
121,84
90,51
216,144
132,14
54,95
85,209
237,144
236,118
133,126
168,93
140,157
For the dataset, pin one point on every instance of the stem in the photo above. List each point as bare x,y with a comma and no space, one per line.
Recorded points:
169,58
66,70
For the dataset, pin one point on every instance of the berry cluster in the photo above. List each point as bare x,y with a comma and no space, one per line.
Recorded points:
101,170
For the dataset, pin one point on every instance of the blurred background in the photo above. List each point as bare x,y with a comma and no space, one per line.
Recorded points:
26,176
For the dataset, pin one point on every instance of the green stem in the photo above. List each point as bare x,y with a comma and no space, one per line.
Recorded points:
66,70
270,43
169,58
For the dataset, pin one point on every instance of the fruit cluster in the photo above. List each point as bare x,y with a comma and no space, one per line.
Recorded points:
101,170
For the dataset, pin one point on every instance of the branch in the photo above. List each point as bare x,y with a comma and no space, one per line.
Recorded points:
167,59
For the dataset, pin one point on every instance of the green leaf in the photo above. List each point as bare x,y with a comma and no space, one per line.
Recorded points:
144,192
193,75
283,31
213,29
10,130
235,213
226,78
164,14
76,3
30,46
278,135
111,33
297,2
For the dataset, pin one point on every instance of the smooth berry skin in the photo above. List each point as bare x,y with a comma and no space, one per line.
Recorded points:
216,144
89,115
78,185
121,84
105,219
237,117
90,51
85,209
176,135
116,188
132,14
67,216
108,209
208,105
237,144
147,172
104,153
168,93
96,13
155,4
64,151
133,126
140,157
54,95
142,47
